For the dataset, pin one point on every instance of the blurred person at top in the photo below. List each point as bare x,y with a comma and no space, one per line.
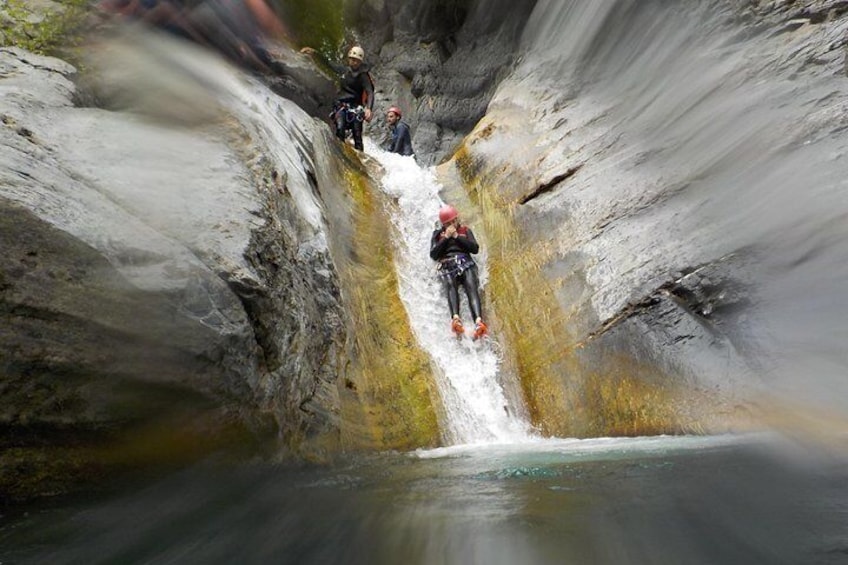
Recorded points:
244,31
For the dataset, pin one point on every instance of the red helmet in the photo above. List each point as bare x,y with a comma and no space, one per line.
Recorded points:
396,110
447,213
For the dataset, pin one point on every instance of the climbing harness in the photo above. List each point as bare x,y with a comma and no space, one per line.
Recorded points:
453,266
351,113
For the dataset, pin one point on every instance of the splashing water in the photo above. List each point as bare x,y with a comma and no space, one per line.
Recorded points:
476,408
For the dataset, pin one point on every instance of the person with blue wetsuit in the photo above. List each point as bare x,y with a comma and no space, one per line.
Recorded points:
452,245
356,91
401,139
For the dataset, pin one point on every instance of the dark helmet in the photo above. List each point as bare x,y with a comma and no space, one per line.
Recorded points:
447,213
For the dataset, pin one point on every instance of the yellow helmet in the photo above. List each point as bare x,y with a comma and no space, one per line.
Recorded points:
356,52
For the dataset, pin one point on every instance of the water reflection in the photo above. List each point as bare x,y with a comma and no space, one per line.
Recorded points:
690,500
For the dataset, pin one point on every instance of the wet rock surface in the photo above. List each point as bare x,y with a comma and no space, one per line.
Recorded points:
153,276
678,194
440,62
680,188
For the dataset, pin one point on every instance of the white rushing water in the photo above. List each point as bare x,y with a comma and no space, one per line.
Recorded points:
597,448
476,408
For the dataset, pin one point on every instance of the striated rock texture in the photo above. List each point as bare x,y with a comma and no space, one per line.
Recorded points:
662,188
146,290
439,61
168,285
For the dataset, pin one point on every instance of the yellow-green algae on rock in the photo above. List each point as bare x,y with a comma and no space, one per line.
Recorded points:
317,23
566,397
43,27
387,391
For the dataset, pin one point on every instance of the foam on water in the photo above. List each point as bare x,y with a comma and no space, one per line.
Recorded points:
476,410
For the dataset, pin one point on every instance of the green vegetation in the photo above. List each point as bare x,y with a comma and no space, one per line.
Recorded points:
390,378
41,31
316,23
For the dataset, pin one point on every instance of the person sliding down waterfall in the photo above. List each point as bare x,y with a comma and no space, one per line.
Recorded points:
452,245
355,100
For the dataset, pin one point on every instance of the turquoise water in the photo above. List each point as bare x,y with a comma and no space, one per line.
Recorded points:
656,500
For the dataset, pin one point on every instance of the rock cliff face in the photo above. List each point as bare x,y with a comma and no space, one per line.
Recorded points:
660,188
439,61
167,284
145,287
666,182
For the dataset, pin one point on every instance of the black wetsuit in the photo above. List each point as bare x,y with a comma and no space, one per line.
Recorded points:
401,141
456,267
355,89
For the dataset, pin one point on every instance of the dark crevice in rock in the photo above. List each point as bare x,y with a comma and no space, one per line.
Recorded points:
43,434
550,185
27,134
255,300
693,292
823,13
630,310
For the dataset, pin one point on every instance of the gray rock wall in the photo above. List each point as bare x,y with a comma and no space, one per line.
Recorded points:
673,174
439,61
677,170
162,269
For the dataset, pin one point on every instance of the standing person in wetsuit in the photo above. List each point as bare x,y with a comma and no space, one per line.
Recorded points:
401,141
452,245
355,89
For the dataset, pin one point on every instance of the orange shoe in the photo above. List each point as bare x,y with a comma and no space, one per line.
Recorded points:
456,327
480,330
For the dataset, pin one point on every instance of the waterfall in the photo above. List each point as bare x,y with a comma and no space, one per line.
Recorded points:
707,139
475,406
476,409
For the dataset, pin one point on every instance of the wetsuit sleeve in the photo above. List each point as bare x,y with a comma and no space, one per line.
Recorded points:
404,140
469,242
368,89
337,67
400,137
438,247
334,65
395,144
